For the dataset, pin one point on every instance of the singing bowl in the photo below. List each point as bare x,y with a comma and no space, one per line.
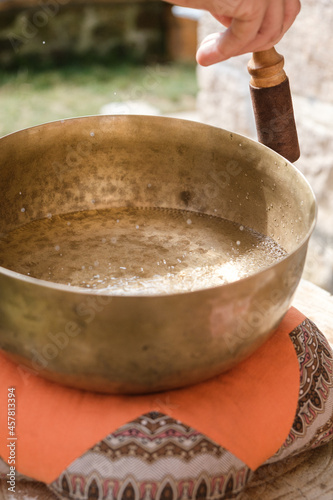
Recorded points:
146,343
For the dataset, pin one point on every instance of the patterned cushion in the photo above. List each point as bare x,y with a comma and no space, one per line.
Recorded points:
157,457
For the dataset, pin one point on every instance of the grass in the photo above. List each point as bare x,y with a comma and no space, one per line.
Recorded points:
31,97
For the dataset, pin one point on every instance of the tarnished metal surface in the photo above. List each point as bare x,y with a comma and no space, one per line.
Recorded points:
135,344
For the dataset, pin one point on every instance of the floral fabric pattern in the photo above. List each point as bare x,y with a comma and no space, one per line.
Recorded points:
156,457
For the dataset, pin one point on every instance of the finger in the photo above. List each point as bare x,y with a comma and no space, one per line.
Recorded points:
225,20
272,25
291,10
270,30
222,46
209,53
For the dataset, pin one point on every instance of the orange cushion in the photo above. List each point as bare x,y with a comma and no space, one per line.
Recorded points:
249,410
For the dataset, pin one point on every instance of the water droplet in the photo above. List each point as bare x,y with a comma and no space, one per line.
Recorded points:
113,240
137,227
20,192
189,221
57,248
43,42
93,201
92,134
22,210
117,221
241,228
238,242
49,216
149,185
83,267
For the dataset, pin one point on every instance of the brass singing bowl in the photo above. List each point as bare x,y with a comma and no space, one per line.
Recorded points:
146,343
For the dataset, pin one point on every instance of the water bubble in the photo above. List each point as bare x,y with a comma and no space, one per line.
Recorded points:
20,192
117,221
92,134
22,210
113,240
189,221
57,248
241,228
238,242
137,226
93,201
43,42
49,216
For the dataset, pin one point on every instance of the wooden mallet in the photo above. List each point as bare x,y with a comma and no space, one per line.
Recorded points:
272,104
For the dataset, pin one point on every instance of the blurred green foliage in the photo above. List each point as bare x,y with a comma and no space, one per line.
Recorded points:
30,97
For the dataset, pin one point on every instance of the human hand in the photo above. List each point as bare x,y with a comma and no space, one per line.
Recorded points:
252,26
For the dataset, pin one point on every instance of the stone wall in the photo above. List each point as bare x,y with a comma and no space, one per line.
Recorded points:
56,31
224,101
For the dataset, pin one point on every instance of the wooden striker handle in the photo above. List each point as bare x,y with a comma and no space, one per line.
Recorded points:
272,104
